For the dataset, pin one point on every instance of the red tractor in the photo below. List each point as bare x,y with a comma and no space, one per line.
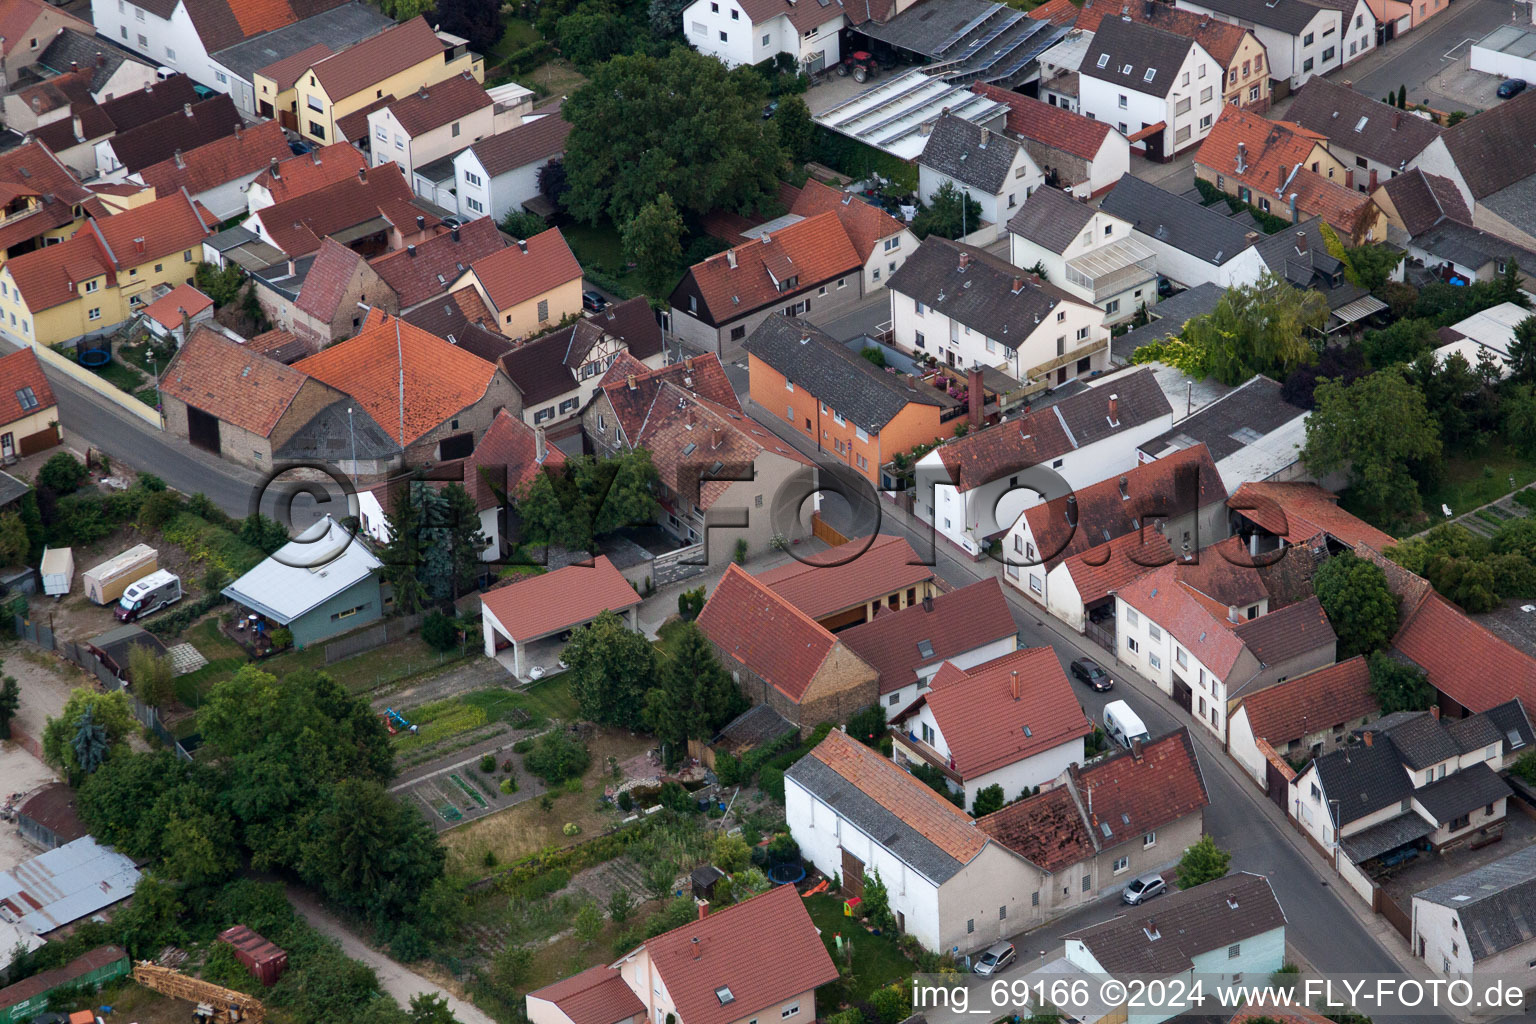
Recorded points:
860,64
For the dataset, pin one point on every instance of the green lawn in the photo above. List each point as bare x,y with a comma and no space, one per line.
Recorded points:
121,376
1474,480
600,248
552,698
876,960
519,33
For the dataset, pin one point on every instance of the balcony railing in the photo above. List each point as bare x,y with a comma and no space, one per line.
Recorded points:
1113,268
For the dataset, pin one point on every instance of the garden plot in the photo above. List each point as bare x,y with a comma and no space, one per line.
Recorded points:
458,790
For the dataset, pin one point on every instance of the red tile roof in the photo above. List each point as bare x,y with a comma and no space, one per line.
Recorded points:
19,370
441,380
530,142
631,399
52,276
223,378
326,283
285,73
527,270
847,575
1001,712
1101,570
170,225
939,821
33,168
18,17
284,346
537,606
761,630
1312,702
219,162
1165,486
1032,119
952,624
297,226
1206,634
258,16
726,949
168,309
300,175
506,460
56,93
438,262
433,106
598,995
1300,511
377,58
1047,829
353,127
1057,12
866,223
195,125
1463,660
740,280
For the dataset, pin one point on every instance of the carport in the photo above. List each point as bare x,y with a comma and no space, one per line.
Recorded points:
547,605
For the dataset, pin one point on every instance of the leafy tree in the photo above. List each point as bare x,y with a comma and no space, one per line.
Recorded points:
404,552
1398,687
1402,342
510,968
612,667
876,903
1402,97
519,223
439,632
1522,352
796,129
431,1008
1367,266
665,16
868,725
556,757
261,532
108,713
593,33
553,183
61,474
1375,427
652,241
1448,385
891,1003
221,284
453,542
475,20
731,854
404,10
952,213
696,696
588,924
621,903
660,875
690,603
588,499
14,542
89,743
1341,364
10,703
1202,862
1360,607
988,799
1266,327
154,679
693,130
362,841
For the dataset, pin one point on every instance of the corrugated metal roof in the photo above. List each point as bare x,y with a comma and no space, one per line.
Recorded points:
64,885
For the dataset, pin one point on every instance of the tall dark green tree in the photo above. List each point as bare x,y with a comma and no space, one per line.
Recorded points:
405,552
612,668
1398,687
89,743
692,129
696,696
10,702
1360,607
951,213
453,542
796,129
653,242
1522,352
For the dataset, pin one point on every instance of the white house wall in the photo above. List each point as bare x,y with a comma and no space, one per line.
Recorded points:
171,42
897,701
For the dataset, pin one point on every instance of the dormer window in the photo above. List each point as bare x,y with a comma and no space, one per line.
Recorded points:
724,994
1103,60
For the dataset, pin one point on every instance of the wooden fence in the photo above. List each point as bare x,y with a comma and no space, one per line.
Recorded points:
824,532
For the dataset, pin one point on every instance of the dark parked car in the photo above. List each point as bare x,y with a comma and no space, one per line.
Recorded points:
593,302
770,108
1511,87
299,147
1089,672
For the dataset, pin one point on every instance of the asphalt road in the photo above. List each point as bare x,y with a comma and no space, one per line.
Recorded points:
1413,59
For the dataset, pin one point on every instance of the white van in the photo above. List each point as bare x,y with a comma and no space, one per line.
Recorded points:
1123,725
147,595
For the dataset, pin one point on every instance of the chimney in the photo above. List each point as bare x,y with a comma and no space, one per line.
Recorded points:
148,87
1251,237
1114,410
1018,285
1434,711
986,135
272,169
421,223
1125,488
717,438
1397,120
101,59
181,162
1071,510
688,363
1301,243
703,913
138,245
1370,738
37,104
522,246
540,444
629,381
928,602
1242,158
696,949
1013,683
912,382
292,270
454,233
186,108
79,127
977,395
74,65
362,174
1372,184
410,251
239,130
965,260
1295,217
689,423
1136,754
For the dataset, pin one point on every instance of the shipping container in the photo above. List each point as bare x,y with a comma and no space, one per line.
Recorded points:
106,582
58,570
265,961
29,997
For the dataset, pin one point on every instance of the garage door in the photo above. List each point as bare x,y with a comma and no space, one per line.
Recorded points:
203,430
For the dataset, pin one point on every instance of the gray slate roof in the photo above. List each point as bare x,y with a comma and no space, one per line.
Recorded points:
1194,921
82,49
1511,722
1468,790
1289,16
1124,53
1363,779
1468,246
11,489
1173,220
1496,903
843,380
1255,406
1051,218
1385,837
981,297
871,817
1313,269
1170,316
1361,124
337,28
332,436
969,154
1421,740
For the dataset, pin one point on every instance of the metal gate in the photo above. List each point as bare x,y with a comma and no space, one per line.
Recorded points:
1183,695
1105,638
1279,787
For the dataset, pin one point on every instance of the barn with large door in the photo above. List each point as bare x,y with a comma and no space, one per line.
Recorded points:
225,399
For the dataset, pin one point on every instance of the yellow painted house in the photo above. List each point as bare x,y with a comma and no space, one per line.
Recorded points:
105,274
394,63
41,203
530,287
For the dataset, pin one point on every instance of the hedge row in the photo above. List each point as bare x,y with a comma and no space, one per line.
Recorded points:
212,545
538,870
520,62
173,622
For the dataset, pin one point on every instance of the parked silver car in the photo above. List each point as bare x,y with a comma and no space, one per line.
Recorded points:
994,958
1144,888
